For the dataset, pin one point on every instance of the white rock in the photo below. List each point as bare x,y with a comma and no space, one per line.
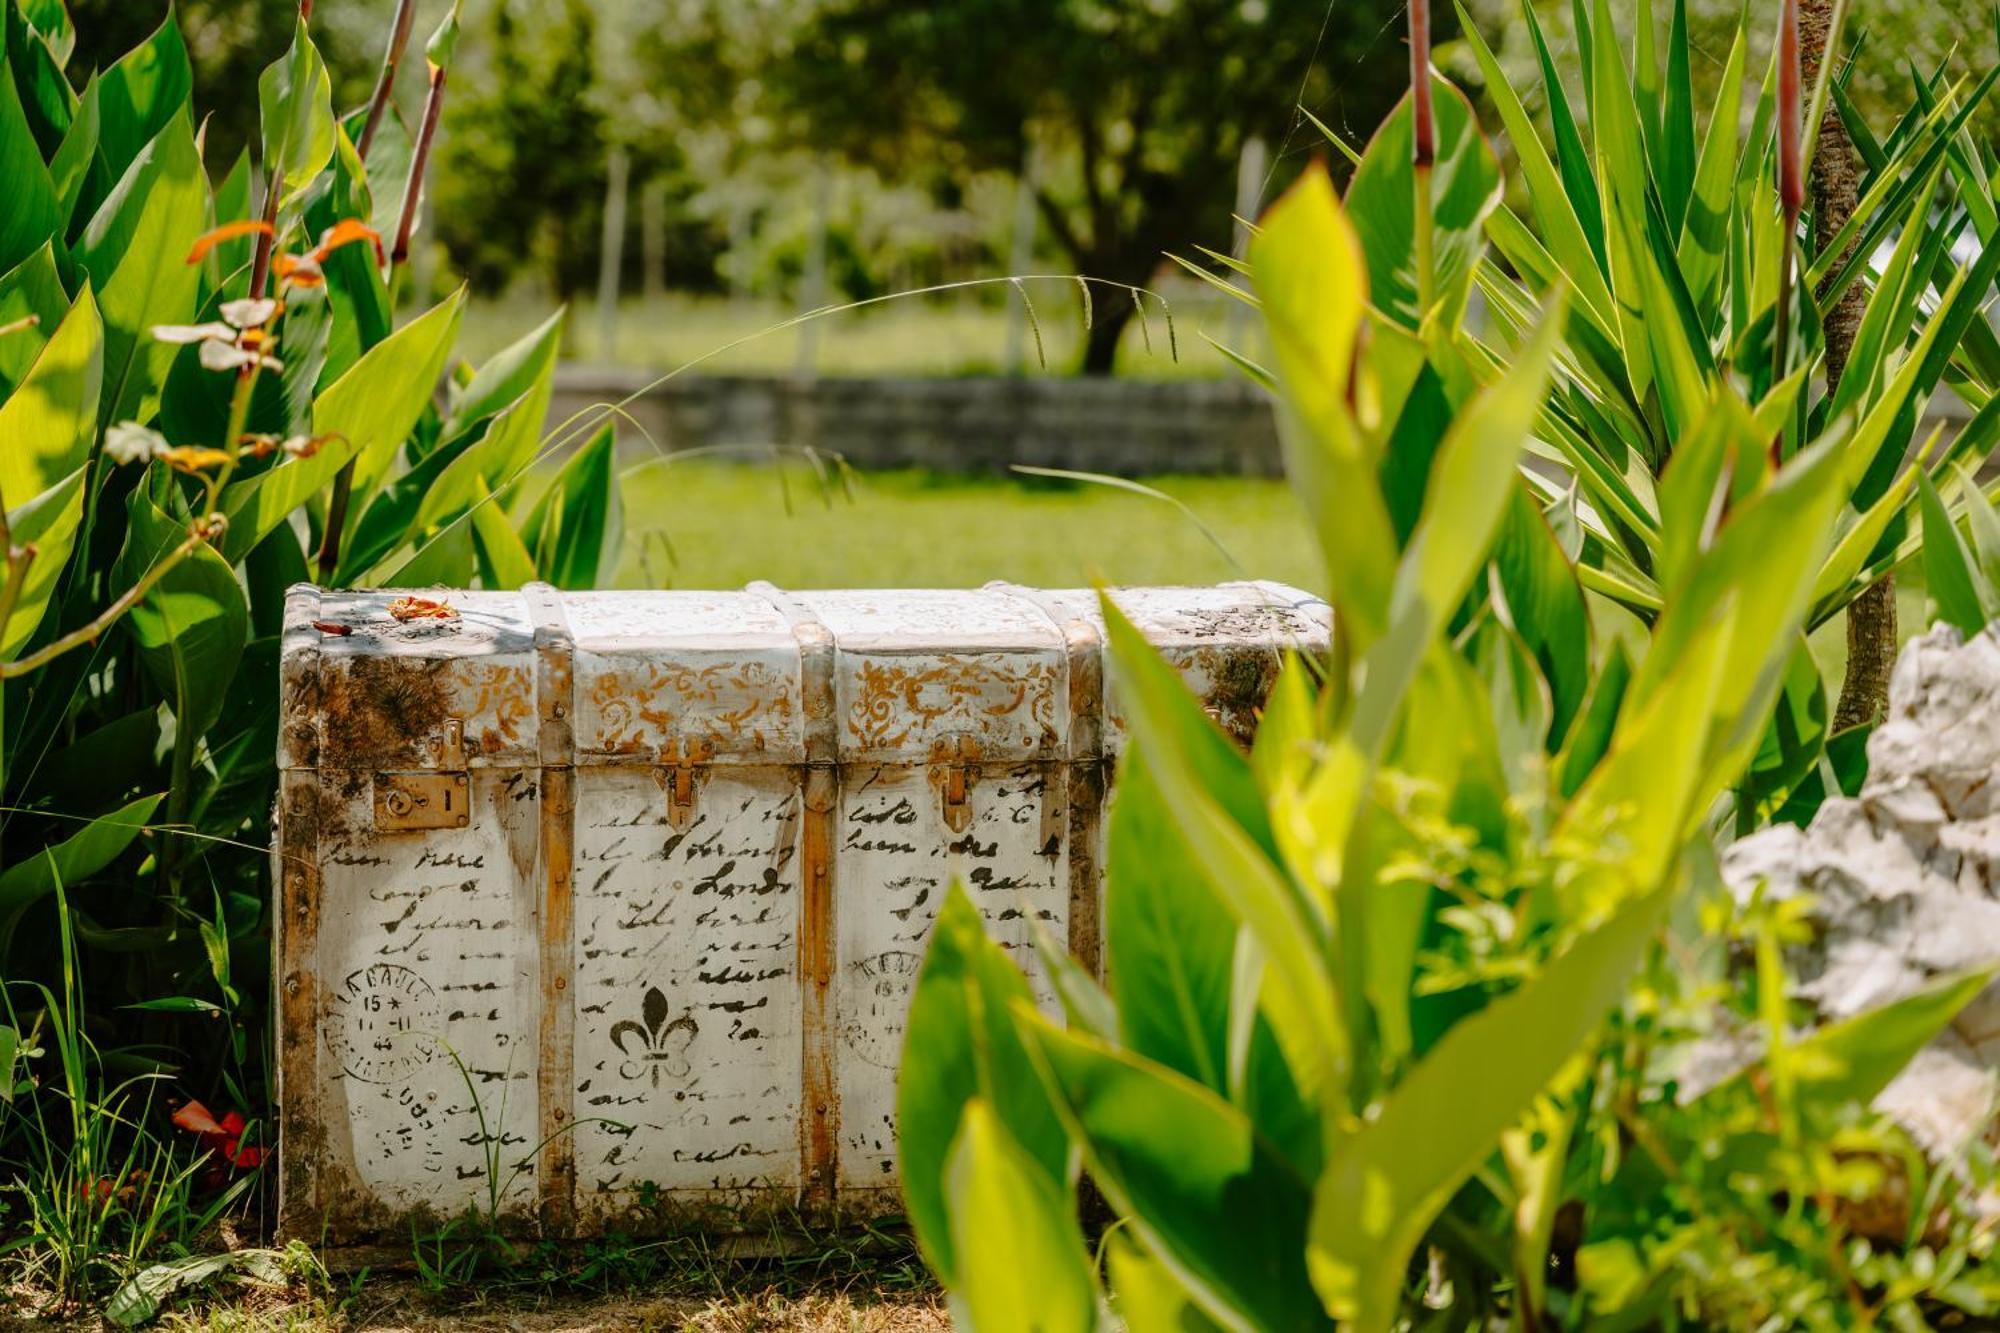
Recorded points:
1904,880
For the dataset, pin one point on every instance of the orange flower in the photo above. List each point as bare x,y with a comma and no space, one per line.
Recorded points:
228,231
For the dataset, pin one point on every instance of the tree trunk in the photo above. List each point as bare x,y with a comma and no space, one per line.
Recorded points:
1871,617
1112,312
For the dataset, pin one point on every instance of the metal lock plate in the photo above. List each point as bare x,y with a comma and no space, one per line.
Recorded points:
681,772
954,765
421,801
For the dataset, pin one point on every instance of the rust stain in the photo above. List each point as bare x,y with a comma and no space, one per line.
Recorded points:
555,701
383,706
896,700
554,1074
301,1136
819,1121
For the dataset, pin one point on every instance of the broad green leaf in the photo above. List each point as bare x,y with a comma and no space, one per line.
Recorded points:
47,426
1310,275
1759,574
369,412
32,288
1948,568
1022,1263
142,93
78,169
1544,604
1169,936
578,524
1675,157
507,376
192,627
135,250
1144,1292
503,561
1286,734
49,523
495,461
1472,479
1846,1063
1382,199
295,105
46,96
33,213
1169,724
1387,1180
100,842
961,1043
1184,1167
50,19
357,294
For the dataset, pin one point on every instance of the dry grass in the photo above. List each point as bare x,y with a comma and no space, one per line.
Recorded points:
400,1306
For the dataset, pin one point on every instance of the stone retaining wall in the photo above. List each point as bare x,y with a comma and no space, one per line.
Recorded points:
1129,428
984,424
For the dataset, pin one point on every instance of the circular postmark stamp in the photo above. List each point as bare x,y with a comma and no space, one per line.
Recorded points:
384,1023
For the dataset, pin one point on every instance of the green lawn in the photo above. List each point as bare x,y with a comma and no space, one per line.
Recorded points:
721,525
961,334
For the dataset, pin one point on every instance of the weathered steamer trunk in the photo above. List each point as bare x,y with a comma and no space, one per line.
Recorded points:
605,908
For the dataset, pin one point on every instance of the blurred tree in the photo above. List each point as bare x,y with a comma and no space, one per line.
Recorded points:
229,43
522,171
1141,107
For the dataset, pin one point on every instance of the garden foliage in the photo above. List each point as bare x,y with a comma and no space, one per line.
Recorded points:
206,394
1401,1010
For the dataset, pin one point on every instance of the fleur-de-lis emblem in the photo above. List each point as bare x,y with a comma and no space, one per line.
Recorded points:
660,1043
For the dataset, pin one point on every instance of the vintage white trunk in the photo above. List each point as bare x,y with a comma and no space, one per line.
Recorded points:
605,908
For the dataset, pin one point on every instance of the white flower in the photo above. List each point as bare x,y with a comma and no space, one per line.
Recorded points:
249,313
193,333
130,442
228,356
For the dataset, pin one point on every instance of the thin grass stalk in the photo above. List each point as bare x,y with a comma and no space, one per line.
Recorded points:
392,56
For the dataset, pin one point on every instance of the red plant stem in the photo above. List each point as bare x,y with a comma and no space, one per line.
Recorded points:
260,268
1422,135
399,37
1791,176
414,186
305,11
1791,194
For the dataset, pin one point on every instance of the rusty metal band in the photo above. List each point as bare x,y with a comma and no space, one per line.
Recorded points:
819,1086
295,939
555,702
1082,780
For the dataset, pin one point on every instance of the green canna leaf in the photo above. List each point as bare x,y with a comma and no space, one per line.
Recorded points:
366,414
1183,1167
192,626
1386,1180
577,526
141,94
1381,201
1023,1265
33,214
135,250
295,103
962,1044
1311,277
